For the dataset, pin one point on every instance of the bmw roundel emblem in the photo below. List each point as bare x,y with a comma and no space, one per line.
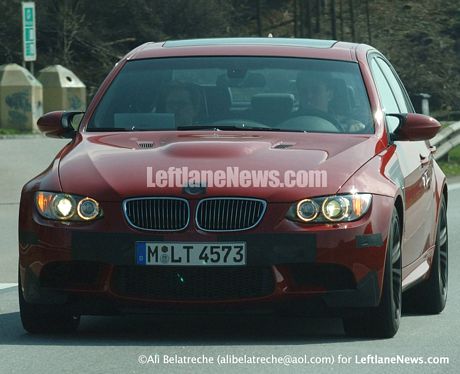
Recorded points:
195,188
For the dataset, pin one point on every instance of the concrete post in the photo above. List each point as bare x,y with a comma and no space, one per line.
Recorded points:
62,90
21,98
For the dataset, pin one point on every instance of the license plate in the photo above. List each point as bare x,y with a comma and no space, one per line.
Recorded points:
193,254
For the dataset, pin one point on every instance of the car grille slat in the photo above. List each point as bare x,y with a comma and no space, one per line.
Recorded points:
176,216
252,212
232,221
157,213
221,216
167,211
240,213
208,215
244,216
150,214
142,211
162,215
229,214
235,214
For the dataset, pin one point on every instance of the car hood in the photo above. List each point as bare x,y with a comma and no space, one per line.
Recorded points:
113,166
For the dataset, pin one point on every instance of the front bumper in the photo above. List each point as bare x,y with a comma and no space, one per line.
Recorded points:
339,264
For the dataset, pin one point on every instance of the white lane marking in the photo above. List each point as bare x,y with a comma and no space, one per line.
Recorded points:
453,186
7,285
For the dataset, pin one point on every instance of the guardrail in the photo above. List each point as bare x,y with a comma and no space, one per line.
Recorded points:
446,139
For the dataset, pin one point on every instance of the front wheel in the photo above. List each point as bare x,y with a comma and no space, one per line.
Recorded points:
42,319
383,321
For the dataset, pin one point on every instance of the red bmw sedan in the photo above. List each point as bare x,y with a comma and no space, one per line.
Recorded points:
282,175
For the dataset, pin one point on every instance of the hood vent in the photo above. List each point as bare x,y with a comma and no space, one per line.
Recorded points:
145,145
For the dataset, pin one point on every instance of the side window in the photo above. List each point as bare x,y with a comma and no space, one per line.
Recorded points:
387,98
401,96
395,85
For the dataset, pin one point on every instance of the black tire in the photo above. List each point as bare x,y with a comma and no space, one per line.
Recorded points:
430,296
42,319
383,321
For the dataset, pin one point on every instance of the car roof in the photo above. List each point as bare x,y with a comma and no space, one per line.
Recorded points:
276,47
311,43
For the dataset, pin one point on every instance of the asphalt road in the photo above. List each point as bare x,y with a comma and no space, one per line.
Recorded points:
116,344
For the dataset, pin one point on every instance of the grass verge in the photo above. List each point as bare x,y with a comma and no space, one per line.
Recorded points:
451,167
14,132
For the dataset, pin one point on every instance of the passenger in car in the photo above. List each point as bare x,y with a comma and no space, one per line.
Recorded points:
317,96
184,100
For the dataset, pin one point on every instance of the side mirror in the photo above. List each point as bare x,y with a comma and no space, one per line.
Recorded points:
58,124
415,127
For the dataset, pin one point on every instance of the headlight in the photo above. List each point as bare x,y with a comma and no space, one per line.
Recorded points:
65,207
307,210
88,209
336,208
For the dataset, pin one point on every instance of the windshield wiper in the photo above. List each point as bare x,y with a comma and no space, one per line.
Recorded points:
115,129
194,127
234,128
105,129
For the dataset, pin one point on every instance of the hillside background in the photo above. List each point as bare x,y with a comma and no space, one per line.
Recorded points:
421,38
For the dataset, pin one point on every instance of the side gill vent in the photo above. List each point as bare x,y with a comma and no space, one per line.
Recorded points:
282,146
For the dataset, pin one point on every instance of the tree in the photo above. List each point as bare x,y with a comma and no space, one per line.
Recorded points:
10,30
351,9
333,20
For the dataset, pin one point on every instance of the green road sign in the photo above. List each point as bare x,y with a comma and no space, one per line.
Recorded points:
29,46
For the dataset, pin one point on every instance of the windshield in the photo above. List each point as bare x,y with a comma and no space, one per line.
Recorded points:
228,93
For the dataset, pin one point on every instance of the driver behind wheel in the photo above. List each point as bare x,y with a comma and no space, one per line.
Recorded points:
316,92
